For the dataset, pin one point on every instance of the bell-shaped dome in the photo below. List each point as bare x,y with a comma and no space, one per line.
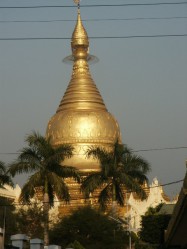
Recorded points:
82,119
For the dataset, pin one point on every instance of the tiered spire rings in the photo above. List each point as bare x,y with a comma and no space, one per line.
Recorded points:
82,92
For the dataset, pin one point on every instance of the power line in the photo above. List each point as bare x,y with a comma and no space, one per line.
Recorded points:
94,20
93,37
93,5
167,148
162,185
140,150
9,153
73,199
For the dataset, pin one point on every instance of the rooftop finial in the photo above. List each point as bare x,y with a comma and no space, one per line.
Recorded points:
80,42
77,2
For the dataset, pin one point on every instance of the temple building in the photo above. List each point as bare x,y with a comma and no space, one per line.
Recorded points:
83,120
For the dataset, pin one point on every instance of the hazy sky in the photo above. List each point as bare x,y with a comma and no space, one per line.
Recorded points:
143,81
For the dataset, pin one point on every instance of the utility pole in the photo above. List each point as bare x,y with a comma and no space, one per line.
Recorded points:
128,222
4,226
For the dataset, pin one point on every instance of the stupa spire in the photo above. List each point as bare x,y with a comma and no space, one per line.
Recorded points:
79,36
82,119
81,92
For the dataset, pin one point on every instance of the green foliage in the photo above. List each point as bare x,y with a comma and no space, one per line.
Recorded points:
5,178
141,245
7,215
155,210
44,162
30,220
119,169
153,227
91,228
75,245
26,220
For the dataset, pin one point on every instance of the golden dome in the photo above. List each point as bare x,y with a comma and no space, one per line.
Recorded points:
82,119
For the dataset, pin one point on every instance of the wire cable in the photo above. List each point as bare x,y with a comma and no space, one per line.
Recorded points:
140,150
94,5
159,149
92,37
94,20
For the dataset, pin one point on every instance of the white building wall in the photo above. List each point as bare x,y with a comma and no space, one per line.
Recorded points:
137,208
11,193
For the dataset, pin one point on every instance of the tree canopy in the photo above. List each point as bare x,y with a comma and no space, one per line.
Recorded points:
120,170
91,228
30,220
45,164
5,178
7,218
158,224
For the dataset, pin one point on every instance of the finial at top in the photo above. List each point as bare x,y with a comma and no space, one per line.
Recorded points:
79,36
80,42
77,2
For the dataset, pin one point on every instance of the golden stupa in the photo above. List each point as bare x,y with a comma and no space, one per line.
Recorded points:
82,119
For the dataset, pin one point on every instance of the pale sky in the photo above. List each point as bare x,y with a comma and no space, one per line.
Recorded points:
143,81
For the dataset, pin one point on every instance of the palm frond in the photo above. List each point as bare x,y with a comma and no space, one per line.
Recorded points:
126,149
119,168
35,138
5,177
105,196
20,167
33,182
119,194
118,149
97,153
59,187
132,185
138,176
68,171
54,180
2,167
91,183
106,169
40,144
37,179
65,151
119,152
5,180
29,154
134,162
50,194
27,193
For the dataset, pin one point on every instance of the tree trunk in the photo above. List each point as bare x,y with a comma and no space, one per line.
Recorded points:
46,218
114,190
113,200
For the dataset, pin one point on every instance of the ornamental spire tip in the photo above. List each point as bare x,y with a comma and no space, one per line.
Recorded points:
77,2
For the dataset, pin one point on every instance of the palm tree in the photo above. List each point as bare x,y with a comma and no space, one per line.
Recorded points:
120,170
4,176
45,162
